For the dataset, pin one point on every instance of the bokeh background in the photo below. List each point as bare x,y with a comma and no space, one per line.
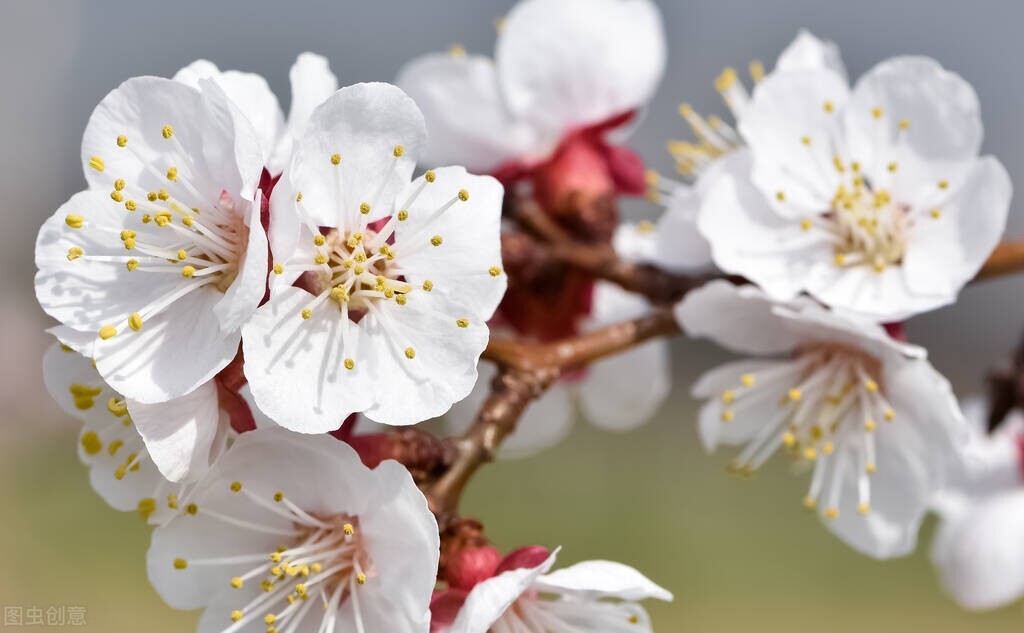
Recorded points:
739,554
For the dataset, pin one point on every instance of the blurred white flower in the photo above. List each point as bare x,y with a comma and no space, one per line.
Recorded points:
874,200
163,257
312,82
324,544
383,287
618,393
185,436
978,550
590,597
719,149
869,416
560,66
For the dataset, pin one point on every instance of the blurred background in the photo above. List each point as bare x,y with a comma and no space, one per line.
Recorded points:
739,554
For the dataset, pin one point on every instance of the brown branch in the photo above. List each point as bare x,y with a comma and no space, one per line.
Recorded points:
1006,259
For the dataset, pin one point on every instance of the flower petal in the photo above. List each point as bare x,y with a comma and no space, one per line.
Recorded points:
808,52
179,433
250,284
312,83
468,122
595,579
566,64
489,599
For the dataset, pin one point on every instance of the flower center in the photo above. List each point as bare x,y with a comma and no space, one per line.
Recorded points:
827,403
867,227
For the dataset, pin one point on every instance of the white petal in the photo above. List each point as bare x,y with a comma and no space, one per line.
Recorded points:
595,579
295,366
713,431
442,369
636,242
75,385
468,122
570,63
179,433
980,555
808,52
249,92
312,83
740,318
749,238
941,108
362,124
880,296
172,354
787,108
246,291
944,253
460,267
489,599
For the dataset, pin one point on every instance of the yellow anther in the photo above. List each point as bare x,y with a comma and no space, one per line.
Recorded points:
728,415
135,321
756,71
236,615
870,468
747,380
410,353
399,151
74,253
167,131
806,224
462,322
236,582
96,163
401,300
832,513
360,269
728,396
180,563
276,571
131,205
780,196
306,313
348,529
188,220
172,173
403,215
266,586
131,264
788,439
457,50
463,195
828,448
794,394
316,567
837,162
182,254
863,508
893,167
361,579
839,259
192,509
114,447
335,159
829,107
236,486
430,176
188,271
806,140
107,332
810,503
270,619
725,79
278,268
350,364
151,196
172,501
122,140
74,221
437,240
904,124
364,208
810,453
278,497
298,197
871,385
320,258
936,214
876,112
119,184
91,443
147,507
890,415
943,184
869,425
494,271
319,240
162,194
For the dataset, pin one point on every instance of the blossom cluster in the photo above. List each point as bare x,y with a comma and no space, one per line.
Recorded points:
238,289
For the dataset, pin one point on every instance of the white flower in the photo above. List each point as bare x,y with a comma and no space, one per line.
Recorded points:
719,149
312,82
618,393
384,286
978,550
163,257
190,432
593,596
874,422
320,544
873,200
559,66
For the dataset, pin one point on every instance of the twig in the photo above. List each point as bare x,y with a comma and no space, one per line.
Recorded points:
1007,258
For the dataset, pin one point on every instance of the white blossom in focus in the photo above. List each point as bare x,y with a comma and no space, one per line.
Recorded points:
321,545
382,287
311,80
163,258
871,419
873,200
594,596
978,551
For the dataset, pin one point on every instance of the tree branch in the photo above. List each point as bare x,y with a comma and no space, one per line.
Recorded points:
1006,259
